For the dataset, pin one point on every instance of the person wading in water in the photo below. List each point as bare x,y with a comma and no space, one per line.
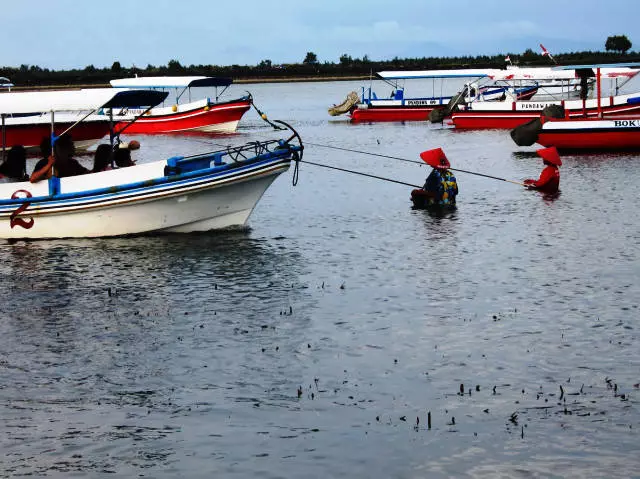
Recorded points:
549,181
441,187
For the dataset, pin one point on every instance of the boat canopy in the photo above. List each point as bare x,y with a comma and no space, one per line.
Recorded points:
406,75
512,73
171,82
77,100
5,82
598,65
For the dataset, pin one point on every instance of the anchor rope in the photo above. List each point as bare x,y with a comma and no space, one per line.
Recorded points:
263,115
360,173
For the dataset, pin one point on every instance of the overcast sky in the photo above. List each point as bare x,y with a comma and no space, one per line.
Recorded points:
75,33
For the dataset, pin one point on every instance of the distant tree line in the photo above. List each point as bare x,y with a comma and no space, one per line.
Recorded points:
617,50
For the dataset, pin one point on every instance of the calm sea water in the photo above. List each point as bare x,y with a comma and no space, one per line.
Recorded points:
317,342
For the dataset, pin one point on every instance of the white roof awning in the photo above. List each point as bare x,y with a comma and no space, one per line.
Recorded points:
406,75
170,82
77,100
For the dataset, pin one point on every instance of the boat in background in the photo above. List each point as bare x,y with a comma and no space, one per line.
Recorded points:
596,132
28,117
397,107
203,115
5,83
180,194
512,112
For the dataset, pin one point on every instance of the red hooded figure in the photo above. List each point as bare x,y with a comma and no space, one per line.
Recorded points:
549,181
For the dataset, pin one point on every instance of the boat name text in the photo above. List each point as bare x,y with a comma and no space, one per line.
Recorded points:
618,123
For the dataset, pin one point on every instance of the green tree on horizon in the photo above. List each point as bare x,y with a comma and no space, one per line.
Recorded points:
310,59
617,43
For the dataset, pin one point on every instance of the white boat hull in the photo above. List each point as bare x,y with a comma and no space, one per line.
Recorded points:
137,200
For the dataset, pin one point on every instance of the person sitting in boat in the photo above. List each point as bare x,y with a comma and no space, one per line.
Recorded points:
440,187
14,167
102,158
549,181
45,152
122,157
61,163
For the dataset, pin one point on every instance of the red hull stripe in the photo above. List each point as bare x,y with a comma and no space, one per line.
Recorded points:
189,120
391,114
30,136
592,139
506,119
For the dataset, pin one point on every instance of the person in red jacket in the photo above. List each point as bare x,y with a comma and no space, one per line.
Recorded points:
549,181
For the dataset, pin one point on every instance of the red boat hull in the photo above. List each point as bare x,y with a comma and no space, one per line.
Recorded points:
391,114
485,120
218,118
30,135
596,137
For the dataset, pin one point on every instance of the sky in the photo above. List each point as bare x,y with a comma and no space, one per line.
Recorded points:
64,34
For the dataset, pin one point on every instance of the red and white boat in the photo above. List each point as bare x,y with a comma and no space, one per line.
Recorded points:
209,115
591,134
621,132
23,123
368,107
512,113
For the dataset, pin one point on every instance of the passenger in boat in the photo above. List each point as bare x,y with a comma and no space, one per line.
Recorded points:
131,145
61,161
549,181
440,187
102,158
122,158
14,167
45,152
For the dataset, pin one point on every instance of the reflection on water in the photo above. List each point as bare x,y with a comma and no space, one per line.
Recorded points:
319,340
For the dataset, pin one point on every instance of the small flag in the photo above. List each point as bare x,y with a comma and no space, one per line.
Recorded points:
545,52
507,59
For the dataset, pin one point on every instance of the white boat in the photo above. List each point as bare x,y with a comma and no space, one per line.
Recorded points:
209,191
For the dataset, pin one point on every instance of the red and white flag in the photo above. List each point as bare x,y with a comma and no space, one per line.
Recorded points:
546,52
507,59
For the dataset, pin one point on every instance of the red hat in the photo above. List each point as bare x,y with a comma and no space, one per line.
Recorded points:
550,155
435,158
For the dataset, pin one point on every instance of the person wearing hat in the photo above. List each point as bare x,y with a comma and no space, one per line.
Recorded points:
440,187
549,181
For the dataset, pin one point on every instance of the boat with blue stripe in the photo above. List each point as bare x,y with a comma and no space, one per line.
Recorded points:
180,194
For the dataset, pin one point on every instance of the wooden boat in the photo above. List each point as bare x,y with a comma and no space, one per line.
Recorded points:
180,194
512,113
621,132
209,115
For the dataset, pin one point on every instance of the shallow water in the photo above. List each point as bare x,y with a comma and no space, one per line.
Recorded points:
310,343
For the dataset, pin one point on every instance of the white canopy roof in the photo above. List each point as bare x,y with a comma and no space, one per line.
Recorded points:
511,73
76,100
169,82
405,75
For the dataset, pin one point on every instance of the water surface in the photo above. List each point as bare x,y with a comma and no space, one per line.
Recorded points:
312,343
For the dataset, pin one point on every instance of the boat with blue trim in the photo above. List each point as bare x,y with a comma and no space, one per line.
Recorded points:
217,189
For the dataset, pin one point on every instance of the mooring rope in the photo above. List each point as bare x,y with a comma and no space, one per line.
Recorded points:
264,115
365,153
360,173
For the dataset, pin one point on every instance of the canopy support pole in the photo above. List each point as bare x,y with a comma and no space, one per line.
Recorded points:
4,138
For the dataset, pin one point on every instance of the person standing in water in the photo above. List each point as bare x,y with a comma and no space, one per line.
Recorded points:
549,181
440,187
